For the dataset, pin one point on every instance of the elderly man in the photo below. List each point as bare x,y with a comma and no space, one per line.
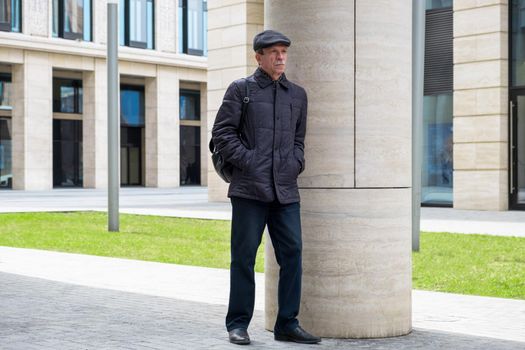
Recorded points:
266,146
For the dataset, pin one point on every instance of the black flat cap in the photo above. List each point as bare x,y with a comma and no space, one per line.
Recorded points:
268,38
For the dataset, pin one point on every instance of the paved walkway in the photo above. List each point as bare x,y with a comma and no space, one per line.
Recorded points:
193,202
51,300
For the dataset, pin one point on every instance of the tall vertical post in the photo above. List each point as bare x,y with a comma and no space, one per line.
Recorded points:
418,59
113,120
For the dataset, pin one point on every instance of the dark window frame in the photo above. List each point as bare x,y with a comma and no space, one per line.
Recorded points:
127,22
70,35
198,148
514,91
58,144
141,148
133,128
9,184
8,26
76,84
185,48
436,86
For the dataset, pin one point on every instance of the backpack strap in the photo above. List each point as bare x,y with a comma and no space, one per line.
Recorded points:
245,101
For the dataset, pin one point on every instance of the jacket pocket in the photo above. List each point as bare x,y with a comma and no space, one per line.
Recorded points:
246,170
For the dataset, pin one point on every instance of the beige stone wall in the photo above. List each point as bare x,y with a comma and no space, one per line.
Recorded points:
481,104
162,129
166,25
34,54
32,123
36,17
354,60
100,21
95,126
232,24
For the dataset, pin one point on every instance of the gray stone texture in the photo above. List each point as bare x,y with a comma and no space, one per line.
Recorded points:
42,314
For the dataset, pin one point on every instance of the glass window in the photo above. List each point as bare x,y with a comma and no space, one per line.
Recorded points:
131,153
72,19
132,106
438,4
518,43
67,95
10,19
5,91
6,163
137,23
190,155
67,153
190,105
437,179
193,24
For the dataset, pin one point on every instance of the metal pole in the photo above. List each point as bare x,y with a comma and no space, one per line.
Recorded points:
418,59
113,118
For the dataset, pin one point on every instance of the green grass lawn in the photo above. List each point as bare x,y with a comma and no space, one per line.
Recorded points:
467,264
471,264
151,238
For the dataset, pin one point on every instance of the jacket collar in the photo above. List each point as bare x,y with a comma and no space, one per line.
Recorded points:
263,79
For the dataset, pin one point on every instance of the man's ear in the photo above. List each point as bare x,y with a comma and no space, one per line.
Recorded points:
258,57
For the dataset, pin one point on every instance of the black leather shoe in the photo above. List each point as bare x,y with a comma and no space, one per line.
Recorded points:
297,335
239,336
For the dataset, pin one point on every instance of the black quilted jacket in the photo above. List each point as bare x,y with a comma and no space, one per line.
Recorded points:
267,150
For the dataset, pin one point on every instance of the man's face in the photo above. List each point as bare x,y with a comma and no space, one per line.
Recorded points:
273,60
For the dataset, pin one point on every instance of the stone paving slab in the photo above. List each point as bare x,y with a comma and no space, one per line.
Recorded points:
42,314
466,314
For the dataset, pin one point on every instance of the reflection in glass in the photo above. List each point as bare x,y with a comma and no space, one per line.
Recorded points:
132,111
137,20
136,23
6,162
87,21
189,105
518,43
193,23
72,19
5,91
5,12
131,156
190,155
67,153
132,106
520,150
437,179
10,15
74,16
67,95
67,99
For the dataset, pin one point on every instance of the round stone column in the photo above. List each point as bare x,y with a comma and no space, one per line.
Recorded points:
354,60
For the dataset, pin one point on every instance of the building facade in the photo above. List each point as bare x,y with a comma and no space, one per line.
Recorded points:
474,122
53,93
176,59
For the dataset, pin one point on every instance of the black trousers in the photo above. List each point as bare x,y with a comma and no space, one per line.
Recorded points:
249,217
